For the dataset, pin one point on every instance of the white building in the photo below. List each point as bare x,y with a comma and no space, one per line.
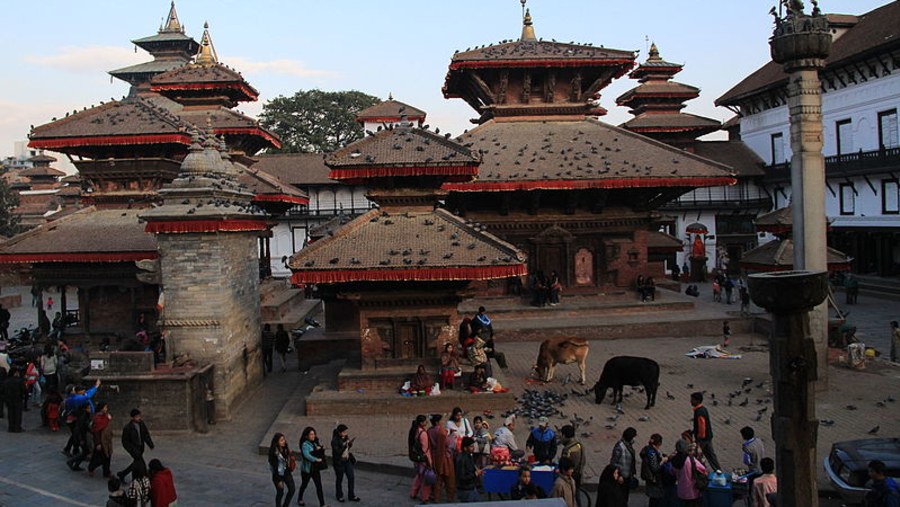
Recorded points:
861,86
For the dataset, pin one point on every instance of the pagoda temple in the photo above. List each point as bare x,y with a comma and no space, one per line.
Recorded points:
394,276
125,151
578,195
657,103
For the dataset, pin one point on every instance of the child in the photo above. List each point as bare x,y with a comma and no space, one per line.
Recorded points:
717,292
483,437
52,404
726,332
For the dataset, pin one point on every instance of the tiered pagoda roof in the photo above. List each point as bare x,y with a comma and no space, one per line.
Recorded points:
88,235
560,155
205,80
531,76
41,168
401,152
410,246
408,239
170,48
390,111
778,254
657,102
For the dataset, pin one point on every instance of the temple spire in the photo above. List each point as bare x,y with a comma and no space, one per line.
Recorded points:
527,28
207,54
172,23
654,54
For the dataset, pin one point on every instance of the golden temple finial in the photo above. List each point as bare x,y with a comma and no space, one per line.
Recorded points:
653,53
527,27
390,96
207,54
172,23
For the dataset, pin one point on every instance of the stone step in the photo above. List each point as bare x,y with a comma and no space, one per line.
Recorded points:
295,317
280,303
338,403
636,326
271,286
563,310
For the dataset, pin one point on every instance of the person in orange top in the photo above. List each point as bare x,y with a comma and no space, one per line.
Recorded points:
703,433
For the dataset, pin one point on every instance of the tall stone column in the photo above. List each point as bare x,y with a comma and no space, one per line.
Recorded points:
790,296
208,243
801,43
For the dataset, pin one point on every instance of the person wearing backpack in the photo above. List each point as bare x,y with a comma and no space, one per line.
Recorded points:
77,398
652,461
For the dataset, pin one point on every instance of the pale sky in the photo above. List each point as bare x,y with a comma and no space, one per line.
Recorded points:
55,57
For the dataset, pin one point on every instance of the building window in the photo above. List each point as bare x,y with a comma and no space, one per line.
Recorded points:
887,130
848,199
890,197
777,148
844,137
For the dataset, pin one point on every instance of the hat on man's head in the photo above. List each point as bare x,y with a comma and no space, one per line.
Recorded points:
543,421
509,419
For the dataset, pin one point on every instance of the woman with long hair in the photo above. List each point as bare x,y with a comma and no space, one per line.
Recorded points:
282,472
343,461
311,464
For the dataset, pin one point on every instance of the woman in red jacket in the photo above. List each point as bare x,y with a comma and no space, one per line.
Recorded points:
162,485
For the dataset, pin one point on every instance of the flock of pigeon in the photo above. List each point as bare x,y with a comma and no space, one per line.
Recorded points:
534,404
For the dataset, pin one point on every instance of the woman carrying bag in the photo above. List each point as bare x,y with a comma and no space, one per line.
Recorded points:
344,463
282,465
311,465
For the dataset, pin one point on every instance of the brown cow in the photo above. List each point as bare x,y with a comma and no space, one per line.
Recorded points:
561,350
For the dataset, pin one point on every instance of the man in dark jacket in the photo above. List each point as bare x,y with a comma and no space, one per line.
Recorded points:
80,434
134,437
703,434
268,348
885,492
13,394
467,473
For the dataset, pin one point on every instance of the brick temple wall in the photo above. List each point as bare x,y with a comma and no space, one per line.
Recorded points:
212,311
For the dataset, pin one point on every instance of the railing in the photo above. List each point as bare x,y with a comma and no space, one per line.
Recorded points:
847,164
302,212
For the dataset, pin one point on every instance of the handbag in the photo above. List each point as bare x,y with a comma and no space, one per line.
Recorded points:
320,465
430,476
701,481
352,459
292,463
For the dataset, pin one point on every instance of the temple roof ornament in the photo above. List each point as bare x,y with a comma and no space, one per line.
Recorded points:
528,28
172,23
207,54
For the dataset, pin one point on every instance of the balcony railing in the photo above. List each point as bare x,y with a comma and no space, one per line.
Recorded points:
845,165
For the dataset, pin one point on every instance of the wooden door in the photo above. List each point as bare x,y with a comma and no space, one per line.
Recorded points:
406,340
550,260
584,267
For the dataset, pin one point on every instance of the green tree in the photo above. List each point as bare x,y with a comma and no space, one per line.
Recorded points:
316,121
9,201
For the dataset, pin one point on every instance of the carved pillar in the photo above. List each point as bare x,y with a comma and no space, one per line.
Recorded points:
504,83
790,295
526,87
802,43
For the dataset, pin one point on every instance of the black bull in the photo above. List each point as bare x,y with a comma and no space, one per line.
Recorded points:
628,371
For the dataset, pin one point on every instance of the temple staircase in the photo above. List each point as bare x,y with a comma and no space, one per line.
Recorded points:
280,303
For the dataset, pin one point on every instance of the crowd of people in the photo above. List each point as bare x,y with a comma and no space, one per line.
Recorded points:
313,460
451,459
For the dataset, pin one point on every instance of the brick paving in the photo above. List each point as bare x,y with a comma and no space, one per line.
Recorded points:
224,467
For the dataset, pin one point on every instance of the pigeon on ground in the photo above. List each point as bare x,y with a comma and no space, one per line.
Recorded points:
827,422
669,396
745,402
851,407
874,430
